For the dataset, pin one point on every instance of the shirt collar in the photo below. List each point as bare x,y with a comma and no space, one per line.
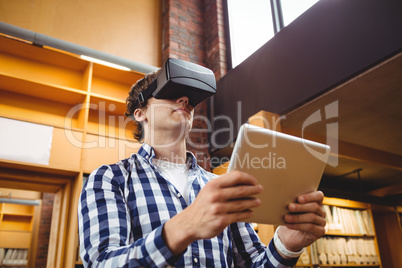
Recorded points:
148,152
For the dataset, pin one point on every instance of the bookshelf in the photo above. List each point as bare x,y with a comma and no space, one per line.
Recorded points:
350,238
16,227
53,88
349,231
84,102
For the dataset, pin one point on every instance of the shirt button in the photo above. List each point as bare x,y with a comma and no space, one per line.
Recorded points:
178,195
195,260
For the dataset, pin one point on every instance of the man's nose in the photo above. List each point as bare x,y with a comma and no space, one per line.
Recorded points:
183,99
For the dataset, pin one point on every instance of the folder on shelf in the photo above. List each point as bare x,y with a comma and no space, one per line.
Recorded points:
2,253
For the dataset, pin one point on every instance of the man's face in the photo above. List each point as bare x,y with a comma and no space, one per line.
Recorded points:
170,115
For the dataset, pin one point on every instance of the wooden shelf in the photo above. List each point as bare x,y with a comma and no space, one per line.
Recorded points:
37,110
40,72
349,265
111,83
13,265
354,217
345,203
110,125
29,52
108,104
118,76
17,209
16,223
334,233
14,257
15,239
42,90
85,103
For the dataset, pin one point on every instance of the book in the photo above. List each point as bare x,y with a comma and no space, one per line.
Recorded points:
344,251
15,257
2,253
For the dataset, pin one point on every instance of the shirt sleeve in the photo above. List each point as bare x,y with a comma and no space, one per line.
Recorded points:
105,228
250,252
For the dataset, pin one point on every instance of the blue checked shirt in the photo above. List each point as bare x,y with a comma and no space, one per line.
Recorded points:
124,206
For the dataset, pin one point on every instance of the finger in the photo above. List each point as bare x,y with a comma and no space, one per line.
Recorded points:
317,230
238,192
316,196
240,216
236,178
307,208
236,206
305,218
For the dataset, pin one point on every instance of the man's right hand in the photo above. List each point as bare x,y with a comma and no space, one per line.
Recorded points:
224,200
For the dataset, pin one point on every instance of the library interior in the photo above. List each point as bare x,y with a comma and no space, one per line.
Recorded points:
331,75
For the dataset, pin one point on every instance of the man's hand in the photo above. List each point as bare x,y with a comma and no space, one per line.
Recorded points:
224,200
305,223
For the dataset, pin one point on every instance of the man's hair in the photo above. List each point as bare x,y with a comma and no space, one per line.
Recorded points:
132,103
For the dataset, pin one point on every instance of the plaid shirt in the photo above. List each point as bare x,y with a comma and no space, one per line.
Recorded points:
124,206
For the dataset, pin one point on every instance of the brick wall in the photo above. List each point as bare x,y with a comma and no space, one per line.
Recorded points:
44,230
215,43
193,31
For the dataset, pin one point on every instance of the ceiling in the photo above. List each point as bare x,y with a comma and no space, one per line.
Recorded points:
368,122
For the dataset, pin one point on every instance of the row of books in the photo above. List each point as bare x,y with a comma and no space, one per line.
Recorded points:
12,256
341,251
348,221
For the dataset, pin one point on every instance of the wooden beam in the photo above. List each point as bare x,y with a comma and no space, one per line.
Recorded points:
51,254
72,224
61,203
356,152
62,228
266,120
35,235
36,168
220,170
387,191
31,186
22,175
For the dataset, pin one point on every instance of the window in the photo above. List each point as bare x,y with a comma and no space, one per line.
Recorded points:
253,23
291,9
251,26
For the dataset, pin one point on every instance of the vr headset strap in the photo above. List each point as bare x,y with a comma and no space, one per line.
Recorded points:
144,95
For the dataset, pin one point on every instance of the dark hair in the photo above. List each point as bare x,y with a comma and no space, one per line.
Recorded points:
132,104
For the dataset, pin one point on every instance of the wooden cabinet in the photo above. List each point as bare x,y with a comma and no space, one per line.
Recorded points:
350,238
84,102
389,234
16,227
48,87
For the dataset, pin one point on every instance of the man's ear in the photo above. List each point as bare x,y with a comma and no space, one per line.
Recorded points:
139,115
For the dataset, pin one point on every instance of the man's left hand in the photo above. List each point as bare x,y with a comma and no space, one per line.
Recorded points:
304,223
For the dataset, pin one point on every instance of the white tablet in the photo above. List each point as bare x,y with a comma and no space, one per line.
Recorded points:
285,165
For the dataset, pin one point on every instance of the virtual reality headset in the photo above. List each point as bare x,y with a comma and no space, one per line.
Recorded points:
178,78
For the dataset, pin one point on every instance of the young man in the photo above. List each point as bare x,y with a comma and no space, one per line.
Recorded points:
159,208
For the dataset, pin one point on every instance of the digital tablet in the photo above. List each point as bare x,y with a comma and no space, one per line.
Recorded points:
285,165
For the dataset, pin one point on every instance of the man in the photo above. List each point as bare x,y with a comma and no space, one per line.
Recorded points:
159,208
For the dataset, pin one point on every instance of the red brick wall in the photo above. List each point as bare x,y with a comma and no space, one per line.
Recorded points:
215,43
44,230
193,31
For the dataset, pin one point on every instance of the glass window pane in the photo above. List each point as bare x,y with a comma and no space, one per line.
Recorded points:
251,26
292,9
